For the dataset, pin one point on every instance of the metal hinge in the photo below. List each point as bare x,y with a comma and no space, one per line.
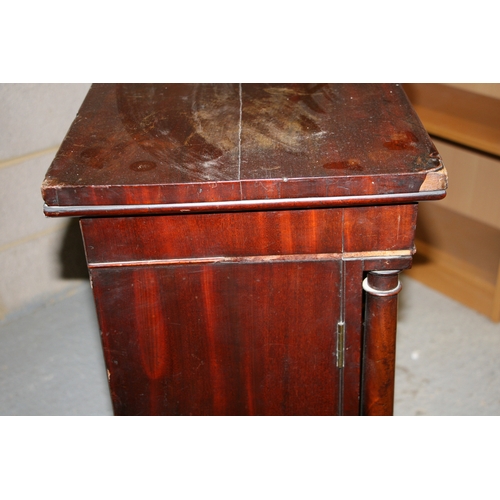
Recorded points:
340,344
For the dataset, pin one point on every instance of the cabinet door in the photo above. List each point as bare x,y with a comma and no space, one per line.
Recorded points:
221,338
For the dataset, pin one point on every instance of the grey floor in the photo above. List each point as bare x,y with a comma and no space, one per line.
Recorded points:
51,362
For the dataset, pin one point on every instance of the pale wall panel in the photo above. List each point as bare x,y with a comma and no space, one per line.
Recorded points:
36,116
33,272
39,257
21,203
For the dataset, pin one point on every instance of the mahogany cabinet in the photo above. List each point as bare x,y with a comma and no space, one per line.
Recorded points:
244,241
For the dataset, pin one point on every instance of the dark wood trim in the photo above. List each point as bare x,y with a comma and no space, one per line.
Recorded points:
235,206
379,354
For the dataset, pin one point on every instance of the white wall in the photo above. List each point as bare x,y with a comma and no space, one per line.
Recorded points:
35,252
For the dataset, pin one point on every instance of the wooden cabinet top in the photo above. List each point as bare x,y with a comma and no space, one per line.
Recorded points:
162,147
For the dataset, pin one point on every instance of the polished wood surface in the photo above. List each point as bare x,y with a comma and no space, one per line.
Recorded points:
228,230
357,231
206,291
379,350
221,339
155,144
226,235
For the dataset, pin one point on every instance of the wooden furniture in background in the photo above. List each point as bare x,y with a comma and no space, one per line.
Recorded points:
233,233
458,242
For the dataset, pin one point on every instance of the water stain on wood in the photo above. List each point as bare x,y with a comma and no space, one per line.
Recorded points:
402,140
283,116
201,129
143,166
170,122
352,165
91,157
243,139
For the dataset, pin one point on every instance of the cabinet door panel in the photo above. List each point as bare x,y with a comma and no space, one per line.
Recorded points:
221,339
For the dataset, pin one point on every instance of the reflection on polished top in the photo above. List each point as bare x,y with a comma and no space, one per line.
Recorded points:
197,143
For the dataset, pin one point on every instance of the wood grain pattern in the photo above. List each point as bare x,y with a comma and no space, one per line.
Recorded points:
213,235
379,355
221,339
353,319
307,232
154,144
383,228
228,229
157,314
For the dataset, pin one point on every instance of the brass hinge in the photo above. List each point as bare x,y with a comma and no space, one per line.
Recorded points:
340,344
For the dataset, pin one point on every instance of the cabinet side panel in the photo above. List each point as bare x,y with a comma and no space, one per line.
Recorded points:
221,339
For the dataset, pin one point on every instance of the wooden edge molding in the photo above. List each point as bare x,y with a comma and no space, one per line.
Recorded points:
389,254
232,206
